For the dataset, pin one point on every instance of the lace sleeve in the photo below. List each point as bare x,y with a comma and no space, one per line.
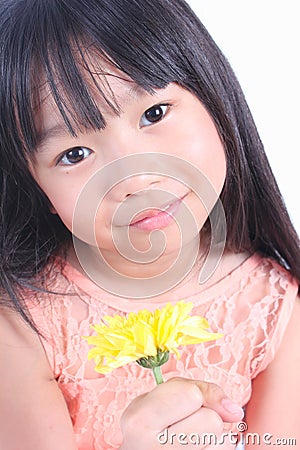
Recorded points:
279,305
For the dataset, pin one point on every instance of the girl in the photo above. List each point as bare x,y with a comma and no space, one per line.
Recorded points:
85,86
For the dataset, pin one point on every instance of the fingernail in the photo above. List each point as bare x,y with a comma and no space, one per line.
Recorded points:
232,407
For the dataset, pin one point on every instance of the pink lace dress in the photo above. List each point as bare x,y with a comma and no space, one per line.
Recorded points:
251,307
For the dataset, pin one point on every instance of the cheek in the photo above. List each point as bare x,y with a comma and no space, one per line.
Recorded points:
202,147
211,152
197,141
212,163
62,197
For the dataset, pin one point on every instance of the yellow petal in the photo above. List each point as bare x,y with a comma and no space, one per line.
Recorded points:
120,340
143,336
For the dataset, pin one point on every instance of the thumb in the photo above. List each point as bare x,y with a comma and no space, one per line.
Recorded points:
215,398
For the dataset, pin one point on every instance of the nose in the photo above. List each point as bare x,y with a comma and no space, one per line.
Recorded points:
138,165
134,179
138,184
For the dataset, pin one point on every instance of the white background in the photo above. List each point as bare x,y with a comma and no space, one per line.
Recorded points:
261,39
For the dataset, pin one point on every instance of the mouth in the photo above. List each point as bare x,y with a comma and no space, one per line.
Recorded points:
156,219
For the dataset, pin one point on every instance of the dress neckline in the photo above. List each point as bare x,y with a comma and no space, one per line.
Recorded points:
198,296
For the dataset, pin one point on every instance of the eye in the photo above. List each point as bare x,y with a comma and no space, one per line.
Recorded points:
153,115
74,155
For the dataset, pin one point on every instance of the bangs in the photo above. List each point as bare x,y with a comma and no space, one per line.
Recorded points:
64,48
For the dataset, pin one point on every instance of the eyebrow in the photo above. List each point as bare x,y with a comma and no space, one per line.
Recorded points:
55,131
60,130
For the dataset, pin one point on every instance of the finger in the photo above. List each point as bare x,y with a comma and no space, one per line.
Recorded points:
200,429
164,405
215,398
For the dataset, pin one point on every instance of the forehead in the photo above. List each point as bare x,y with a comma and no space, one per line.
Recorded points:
106,90
94,93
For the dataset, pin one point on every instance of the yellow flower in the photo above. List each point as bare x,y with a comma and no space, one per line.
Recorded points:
146,337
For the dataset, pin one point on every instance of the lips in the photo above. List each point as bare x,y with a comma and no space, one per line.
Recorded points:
147,215
153,219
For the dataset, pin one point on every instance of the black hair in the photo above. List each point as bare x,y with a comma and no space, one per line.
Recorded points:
53,43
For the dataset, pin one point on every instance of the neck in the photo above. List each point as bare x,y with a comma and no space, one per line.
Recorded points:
131,278
146,281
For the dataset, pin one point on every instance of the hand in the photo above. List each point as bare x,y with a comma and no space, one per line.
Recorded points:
156,419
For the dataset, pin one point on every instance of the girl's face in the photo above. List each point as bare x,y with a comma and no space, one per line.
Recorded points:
172,121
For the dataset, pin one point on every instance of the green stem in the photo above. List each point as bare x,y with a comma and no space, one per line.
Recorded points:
157,374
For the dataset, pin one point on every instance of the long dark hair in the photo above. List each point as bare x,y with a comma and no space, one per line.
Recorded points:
53,43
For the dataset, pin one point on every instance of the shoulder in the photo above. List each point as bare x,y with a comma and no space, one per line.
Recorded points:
23,360
18,342
267,278
273,292
278,290
256,268
260,277
278,276
261,301
29,396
